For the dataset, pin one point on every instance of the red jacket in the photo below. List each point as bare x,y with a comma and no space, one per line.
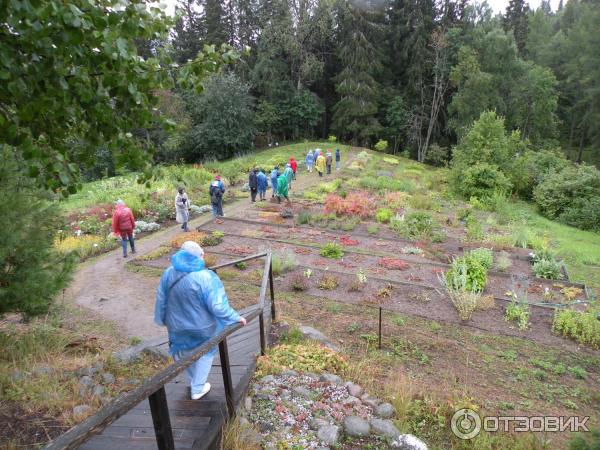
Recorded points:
293,165
122,220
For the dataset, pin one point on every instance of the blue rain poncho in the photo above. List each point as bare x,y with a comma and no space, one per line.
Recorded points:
197,308
263,184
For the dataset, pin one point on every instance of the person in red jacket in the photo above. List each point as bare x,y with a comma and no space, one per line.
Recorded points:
294,166
123,225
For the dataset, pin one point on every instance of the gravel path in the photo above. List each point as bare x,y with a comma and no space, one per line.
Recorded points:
104,285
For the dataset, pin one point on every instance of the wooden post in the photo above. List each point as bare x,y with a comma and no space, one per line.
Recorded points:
272,291
380,309
261,323
227,381
161,420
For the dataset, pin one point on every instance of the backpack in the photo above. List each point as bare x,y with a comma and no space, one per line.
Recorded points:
215,195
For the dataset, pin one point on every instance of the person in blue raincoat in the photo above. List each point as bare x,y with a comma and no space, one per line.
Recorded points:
274,175
310,160
191,302
263,184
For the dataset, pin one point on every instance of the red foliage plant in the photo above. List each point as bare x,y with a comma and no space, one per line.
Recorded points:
358,203
345,240
101,212
393,264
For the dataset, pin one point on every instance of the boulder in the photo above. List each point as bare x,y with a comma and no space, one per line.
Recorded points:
86,381
370,401
108,378
384,428
316,335
329,434
354,389
316,424
157,352
356,427
350,400
81,411
301,391
330,378
385,410
289,373
409,442
267,379
98,391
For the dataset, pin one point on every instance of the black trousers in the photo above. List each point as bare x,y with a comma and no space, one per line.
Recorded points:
253,192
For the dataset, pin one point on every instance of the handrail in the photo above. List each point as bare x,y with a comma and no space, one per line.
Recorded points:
154,387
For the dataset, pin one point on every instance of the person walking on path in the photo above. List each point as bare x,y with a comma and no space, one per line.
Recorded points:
328,161
123,224
216,198
274,175
289,174
282,188
263,184
320,165
294,166
253,184
191,302
182,208
317,153
310,160
338,159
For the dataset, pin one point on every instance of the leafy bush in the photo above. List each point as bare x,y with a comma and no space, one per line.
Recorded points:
332,250
437,156
482,181
213,239
474,229
547,268
381,145
303,357
483,256
327,282
415,225
459,288
471,268
298,282
331,138
532,168
518,312
283,261
583,327
572,196
359,204
384,215
304,217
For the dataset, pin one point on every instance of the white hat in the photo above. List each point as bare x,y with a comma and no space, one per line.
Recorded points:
193,248
120,202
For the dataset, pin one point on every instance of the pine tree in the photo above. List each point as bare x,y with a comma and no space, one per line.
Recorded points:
517,20
215,23
188,33
355,114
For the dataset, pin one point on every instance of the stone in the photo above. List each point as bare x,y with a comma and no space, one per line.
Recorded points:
285,395
330,378
244,422
132,381
301,391
86,381
354,389
44,370
103,299
129,355
316,423
87,371
105,400
329,434
264,396
409,442
312,376
316,335
267,379
248,403
157,352
108,378
356,426
385,410
384,427
289,373
99,366
98,391
81,411
370,401
16,375
350,400
286,213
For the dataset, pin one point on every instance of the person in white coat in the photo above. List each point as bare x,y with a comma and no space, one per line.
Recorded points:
182,209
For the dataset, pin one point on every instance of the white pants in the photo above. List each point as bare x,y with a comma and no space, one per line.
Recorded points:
198,371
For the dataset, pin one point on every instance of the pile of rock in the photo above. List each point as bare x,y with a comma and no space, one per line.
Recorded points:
318,412
93,383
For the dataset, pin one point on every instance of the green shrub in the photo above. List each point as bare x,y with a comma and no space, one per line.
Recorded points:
459,288
583,327
415,225
350,224
572,196
298,282
327,282
304,217
482,181
381,145
331,138
474,229
437,156
532,167
483,256
384,215
283,261
503,262
547,268
373,229
518,312
476,274
332,250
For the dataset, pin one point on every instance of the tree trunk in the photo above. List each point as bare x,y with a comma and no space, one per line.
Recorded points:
571,134
580,154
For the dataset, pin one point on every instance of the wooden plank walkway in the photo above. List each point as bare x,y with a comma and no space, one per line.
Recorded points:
196,423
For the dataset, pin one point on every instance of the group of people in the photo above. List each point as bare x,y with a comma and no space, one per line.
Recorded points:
322,162
281,182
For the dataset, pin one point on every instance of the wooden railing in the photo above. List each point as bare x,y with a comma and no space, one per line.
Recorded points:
154,388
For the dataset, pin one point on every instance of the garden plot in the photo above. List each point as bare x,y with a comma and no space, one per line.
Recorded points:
385,259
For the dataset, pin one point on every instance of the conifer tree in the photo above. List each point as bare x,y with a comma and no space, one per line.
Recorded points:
516,19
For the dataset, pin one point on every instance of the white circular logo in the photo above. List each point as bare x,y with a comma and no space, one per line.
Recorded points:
466,423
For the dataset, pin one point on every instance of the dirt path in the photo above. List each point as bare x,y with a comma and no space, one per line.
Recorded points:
104,285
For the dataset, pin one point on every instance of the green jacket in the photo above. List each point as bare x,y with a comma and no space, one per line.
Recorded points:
282,186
